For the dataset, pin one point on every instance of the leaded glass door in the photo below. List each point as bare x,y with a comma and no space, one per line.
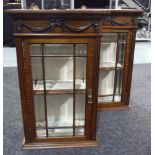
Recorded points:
111,68
62,86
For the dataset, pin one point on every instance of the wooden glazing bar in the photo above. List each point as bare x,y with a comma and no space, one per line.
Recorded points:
80,91
62,127
108,95
45,101
58,56
74,76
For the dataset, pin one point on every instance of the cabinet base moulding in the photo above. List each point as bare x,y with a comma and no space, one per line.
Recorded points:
120,107
43,145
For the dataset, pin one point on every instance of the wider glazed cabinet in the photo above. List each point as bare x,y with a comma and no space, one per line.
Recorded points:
70,63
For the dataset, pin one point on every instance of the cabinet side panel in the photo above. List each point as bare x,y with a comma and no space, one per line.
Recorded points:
131,58
25,91
21,83
128,67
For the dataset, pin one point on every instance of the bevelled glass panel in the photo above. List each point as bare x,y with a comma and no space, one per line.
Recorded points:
41,132
80,72
106,82
80,109
39,111
59,73
80,78
109,37
79,131
59,110
60,132
119,77
108,53
81,49
58,49
106,99
36,49
37,73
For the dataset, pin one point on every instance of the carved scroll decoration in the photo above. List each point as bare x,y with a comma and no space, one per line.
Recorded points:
110,19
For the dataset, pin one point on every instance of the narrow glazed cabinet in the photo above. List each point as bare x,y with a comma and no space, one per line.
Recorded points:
60,94
70,63
113,49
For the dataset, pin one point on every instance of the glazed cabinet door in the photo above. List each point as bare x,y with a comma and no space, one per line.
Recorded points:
116,58
61,89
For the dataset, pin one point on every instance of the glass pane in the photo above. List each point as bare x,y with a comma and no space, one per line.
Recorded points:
60,110
58,49
119,77
39,111
106,99
41,132
37,74
109,37
108,54
60,132
80,78
56,4
81,49
79,131
59,73
35,49
33,4
106,82
121,47
80,109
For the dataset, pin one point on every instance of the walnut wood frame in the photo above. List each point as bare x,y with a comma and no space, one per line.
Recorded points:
77,26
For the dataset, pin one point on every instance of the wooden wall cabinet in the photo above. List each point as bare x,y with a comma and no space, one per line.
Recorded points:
70,63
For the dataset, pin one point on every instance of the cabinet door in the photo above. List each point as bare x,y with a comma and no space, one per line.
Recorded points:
62,87
111,68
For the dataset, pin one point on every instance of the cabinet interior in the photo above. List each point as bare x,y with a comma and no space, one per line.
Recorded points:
59,86
111,66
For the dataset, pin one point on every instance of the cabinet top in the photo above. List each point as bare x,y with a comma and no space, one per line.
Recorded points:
76,12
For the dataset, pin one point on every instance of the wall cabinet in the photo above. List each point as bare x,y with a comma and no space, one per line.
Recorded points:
68,67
